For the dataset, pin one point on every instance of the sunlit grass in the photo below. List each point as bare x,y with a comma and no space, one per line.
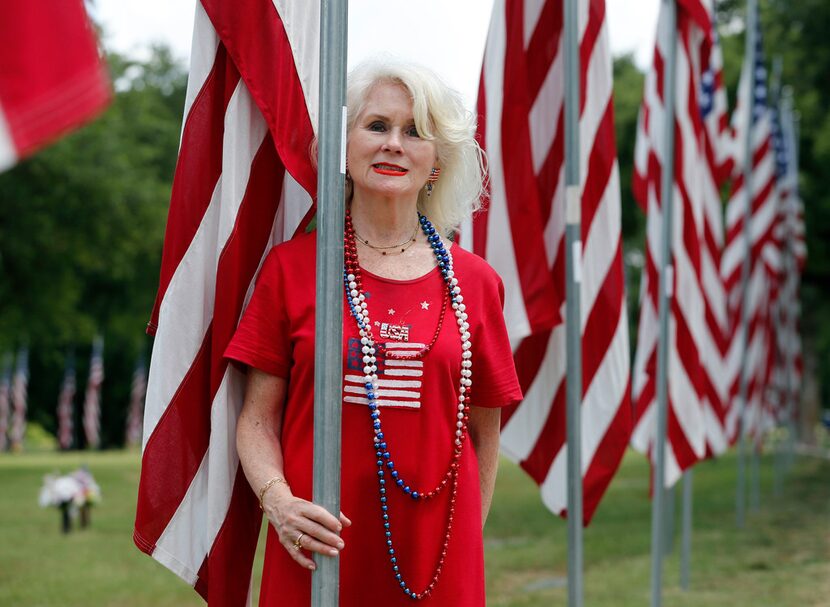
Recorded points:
782,558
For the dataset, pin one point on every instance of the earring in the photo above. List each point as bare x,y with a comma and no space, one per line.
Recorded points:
434,174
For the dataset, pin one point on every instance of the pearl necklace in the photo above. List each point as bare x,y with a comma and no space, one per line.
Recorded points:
359,309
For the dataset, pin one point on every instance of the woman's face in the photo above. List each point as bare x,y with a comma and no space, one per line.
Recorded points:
386,155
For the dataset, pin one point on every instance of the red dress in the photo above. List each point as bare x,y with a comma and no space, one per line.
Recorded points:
418,401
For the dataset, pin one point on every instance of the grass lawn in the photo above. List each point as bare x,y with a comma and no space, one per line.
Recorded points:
781,558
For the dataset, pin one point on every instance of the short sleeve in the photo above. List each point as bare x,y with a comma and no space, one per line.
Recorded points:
494,374
262,338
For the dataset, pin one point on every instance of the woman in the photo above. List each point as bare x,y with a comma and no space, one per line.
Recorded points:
420,437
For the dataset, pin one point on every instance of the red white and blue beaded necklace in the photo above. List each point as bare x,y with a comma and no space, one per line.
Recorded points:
387,474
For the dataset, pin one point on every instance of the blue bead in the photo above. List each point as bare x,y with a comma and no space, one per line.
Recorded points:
385,508
394,472
380,473
392,551
399,482
390,464
381,481
383,500
386,454
368,386
415,494
380,462
389,543
388,534
379,453
382,445
383,489
376,424
386,525
386,517
380,435
407,489
375,415
395,568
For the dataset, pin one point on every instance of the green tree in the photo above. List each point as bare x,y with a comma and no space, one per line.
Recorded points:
81,229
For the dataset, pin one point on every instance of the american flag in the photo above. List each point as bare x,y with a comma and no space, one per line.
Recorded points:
135,411
689,336
521,234
399,384
718,146
764,254
92,397
20,382
52,78
244,182
5,386
792,237
66,405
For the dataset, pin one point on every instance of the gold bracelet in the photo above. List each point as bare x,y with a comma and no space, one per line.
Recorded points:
268,485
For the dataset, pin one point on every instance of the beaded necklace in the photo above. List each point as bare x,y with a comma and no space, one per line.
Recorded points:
359,309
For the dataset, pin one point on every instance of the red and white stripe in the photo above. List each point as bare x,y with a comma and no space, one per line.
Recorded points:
792,226
244,181
135,414
689,336
764,253
5,388
52,78
20,383
92,396
521,234
400,382
66,408
718,145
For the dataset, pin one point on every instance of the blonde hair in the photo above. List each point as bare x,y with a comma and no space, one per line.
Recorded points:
440,116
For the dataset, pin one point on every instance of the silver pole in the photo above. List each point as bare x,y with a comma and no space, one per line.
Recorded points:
749,62
686,542
666,278
780,309
795,301
328,343
573,263
670,502
755,478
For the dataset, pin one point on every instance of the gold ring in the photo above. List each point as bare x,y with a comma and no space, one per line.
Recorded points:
298,542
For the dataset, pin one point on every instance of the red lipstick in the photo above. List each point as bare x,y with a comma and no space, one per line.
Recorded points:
392,170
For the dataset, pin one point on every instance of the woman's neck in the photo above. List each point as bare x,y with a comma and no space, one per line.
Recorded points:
383,221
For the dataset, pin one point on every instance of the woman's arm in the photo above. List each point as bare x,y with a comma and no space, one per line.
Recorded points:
484,426
258,434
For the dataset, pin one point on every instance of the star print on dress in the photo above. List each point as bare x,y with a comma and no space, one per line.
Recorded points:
425,305
391,311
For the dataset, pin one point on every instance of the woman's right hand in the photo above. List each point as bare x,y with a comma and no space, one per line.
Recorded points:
303,526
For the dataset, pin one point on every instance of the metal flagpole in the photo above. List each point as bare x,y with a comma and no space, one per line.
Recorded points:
328,343
686,540
665,287
781,306
573,263
794,302
668,511
749,62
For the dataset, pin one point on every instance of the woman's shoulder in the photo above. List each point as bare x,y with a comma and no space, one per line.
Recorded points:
471,266
302,247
